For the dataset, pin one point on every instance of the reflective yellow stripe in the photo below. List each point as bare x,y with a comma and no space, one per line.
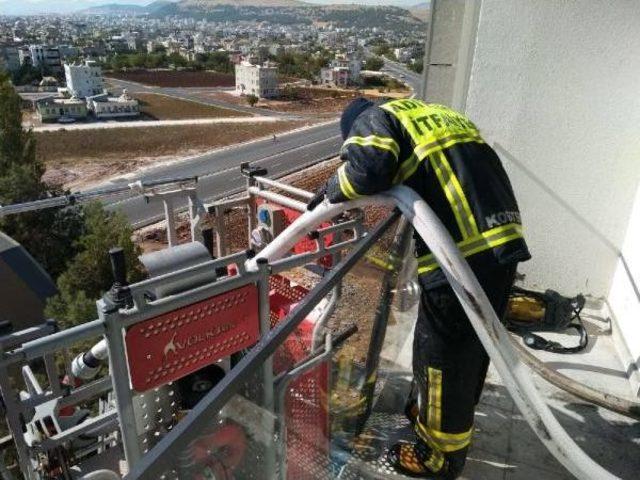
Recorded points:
434,407
428,123
380,263
432,128
455,195
432,433
480,243
436,461
345,185
444,442
424,150
383,143
409,166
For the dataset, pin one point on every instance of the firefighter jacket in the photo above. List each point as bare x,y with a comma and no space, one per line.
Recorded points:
441,155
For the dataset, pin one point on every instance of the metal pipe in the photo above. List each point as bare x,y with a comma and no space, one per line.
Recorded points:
264,315
317,336
41,346
15,339
492,334
285,187
279,199
65,200
172,234
121,384
12,406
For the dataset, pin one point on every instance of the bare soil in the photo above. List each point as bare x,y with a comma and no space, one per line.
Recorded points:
301,100
76,158
162,107
170,78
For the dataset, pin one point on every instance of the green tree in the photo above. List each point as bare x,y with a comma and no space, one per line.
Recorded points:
88,275
252,100
177,60
119,63
373,63
417,66
382,49
139,60
47,234
27,75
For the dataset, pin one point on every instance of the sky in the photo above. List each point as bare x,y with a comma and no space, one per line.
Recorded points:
24,7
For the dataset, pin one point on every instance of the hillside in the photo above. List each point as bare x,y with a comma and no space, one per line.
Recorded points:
115,9
282,12
206,4
295,12
127,9
420,11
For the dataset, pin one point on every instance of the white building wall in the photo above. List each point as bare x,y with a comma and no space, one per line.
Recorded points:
624,297
84,80
555,85
256,80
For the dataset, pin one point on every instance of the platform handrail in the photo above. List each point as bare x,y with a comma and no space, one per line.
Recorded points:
156,461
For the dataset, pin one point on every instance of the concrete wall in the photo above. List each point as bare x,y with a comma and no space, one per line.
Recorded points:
556,85
624,298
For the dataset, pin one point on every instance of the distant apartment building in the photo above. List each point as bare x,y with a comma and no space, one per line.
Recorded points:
55,109
235,56
133,42
258,80
46,58
338,76
69,51
105,107
403,54
9,58
342,71
84,80
200,44
24,56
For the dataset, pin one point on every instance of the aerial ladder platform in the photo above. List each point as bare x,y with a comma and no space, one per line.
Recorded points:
231,362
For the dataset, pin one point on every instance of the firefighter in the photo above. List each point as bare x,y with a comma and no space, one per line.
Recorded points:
441,155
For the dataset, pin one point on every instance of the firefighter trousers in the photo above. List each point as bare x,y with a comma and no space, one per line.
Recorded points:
450,364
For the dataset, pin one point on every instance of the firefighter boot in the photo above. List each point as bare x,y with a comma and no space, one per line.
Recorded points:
417,460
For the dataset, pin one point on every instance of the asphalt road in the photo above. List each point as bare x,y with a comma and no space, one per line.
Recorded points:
195,95
219,172
401,72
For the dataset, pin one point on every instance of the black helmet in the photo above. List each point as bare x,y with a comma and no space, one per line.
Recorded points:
353,111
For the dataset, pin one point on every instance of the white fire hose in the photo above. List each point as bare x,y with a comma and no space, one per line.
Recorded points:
515,374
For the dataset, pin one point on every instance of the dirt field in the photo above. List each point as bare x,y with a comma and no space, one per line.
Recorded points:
161,107
311,101
170,78
77,158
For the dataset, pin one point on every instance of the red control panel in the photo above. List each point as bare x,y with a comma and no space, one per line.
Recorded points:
168,347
